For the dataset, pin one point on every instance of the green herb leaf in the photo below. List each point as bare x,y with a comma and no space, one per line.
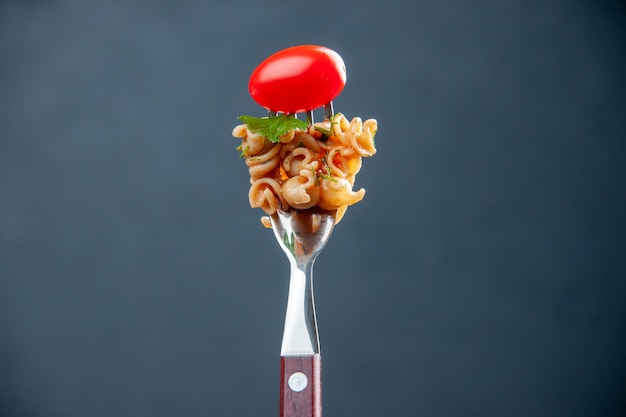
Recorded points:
327,132
289,240
273,127
326,175
323,131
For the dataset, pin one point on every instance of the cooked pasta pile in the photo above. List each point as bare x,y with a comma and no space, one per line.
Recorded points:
305,169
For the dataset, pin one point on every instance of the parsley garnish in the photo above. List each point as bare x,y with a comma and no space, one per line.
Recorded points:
244,152
323,131
273,127
326,175
289,241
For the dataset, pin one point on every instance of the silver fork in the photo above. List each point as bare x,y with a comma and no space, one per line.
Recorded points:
302,234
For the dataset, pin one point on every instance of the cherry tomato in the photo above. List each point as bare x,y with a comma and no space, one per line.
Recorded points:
297,79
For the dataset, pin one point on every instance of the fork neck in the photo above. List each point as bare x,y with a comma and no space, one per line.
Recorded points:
302,234
300,335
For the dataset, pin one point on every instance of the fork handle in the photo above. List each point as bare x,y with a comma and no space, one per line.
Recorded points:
301,386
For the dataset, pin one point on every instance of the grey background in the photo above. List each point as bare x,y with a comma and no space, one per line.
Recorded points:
483,274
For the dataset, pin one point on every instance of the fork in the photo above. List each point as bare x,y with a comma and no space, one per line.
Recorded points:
302,234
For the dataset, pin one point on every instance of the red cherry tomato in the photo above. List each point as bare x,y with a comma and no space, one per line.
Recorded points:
297,79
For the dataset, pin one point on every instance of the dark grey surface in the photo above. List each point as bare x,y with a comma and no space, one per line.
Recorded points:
483,275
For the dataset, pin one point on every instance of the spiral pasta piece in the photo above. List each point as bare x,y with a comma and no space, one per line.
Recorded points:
251,143
265,194
356,134
261,165
338,193
343,162
299,159
302,191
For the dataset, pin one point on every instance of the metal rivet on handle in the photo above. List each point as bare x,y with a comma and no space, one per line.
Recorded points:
297,381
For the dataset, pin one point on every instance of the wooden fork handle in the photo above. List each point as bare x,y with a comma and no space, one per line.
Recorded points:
301,386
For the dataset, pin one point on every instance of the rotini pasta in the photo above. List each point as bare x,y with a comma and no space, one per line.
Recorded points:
315,167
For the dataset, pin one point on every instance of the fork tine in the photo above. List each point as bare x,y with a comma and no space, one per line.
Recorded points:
328,111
